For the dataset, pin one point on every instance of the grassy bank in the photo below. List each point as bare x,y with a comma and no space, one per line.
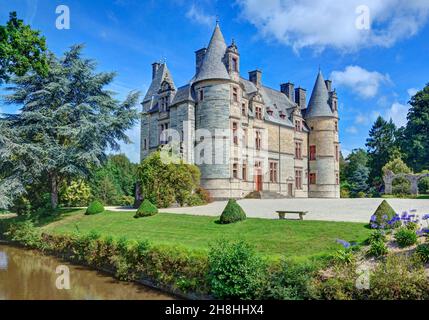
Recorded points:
273,238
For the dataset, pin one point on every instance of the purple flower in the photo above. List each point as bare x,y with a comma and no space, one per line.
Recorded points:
420,233
413,210
344,243
374,218
426,216
425,230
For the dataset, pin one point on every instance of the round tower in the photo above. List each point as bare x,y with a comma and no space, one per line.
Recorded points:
324,145
213,92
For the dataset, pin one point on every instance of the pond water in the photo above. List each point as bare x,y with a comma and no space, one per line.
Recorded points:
30,275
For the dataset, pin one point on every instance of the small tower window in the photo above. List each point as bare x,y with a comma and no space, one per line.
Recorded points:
336,126
337,153
244,171
235,64
337,178
235,170
313,178
234,132
258,140
312,153
243,110
298,179
298,125
201,97
235,94
298,150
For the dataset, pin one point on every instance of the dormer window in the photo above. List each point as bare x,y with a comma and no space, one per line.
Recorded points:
270,112
282,115
164,102
258,113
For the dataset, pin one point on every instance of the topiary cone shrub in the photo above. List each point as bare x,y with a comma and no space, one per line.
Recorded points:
146,209
94,207
383,217
232,213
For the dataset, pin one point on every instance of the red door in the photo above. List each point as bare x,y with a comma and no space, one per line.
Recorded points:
258,180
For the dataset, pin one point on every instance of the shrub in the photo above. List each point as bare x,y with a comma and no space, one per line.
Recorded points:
382,216
424,185
399,278
235,271
401,189
291,281
232,213
147,209
344,256
165,183
127,201
377,249
422,252
361,194
94,207
405,237
377,236
194,200
75,194
204,195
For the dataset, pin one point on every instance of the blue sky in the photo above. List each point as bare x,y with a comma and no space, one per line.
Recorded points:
374,71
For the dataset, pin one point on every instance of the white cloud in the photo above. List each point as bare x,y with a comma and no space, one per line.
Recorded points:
398,113
367,118
412,92
352,130
332,23
363,82
196,14
345,152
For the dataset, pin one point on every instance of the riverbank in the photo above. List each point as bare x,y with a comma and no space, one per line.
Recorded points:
29,275
227,269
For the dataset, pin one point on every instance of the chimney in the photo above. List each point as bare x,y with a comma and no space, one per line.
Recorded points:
328,85
301,97
199,56
289,90
155,67
256,77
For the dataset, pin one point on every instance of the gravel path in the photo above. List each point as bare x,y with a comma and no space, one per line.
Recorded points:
350,210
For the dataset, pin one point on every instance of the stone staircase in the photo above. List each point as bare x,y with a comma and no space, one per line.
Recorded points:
265,195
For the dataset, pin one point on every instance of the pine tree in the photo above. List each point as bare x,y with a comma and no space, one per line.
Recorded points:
21,49
382,147
66,123
415,141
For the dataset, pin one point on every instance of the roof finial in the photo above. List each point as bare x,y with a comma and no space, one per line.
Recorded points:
217,20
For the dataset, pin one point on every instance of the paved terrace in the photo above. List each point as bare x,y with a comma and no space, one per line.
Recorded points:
352,210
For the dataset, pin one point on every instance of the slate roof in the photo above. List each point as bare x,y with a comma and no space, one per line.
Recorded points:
183,94
160,75
319,101
213,66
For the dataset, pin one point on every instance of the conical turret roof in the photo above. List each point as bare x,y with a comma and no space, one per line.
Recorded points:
319,101
213,66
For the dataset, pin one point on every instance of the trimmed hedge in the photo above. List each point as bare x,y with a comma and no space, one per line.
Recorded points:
232,213
382,216
146,209
94,207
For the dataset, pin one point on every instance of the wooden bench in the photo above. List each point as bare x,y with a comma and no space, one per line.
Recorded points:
282,214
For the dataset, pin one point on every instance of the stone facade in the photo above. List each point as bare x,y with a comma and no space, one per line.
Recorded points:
261,139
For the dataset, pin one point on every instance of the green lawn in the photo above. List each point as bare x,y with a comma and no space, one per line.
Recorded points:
274,238
419,197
